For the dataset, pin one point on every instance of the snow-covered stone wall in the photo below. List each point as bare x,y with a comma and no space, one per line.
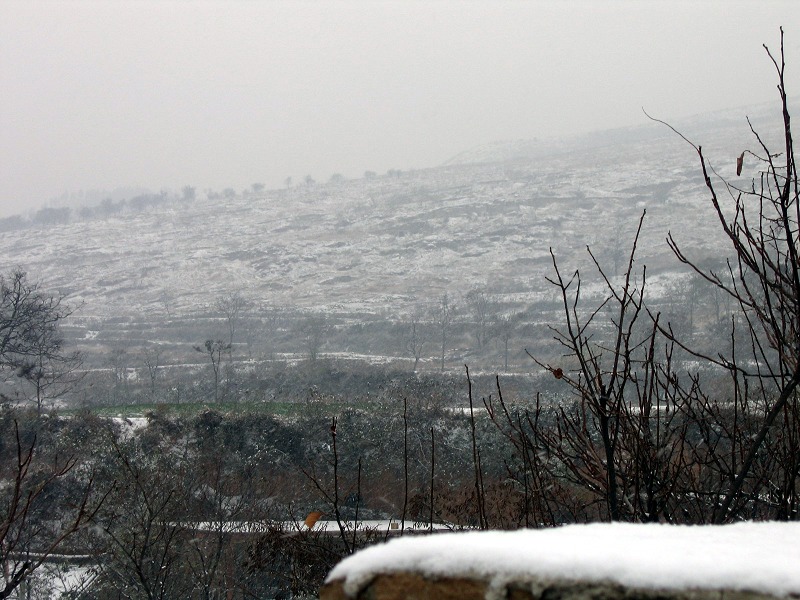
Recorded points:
580,562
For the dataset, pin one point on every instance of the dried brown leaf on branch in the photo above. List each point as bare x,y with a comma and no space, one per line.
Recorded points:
312,518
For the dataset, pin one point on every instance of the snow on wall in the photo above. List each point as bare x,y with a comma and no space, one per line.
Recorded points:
762,557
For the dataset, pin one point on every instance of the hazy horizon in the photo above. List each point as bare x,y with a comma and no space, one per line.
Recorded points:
215,95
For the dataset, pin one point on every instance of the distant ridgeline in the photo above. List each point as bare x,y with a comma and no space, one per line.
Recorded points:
742,561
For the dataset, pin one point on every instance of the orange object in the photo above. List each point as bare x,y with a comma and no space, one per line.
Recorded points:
312,518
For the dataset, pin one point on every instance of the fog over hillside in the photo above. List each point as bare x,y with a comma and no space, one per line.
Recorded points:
381,247
161,94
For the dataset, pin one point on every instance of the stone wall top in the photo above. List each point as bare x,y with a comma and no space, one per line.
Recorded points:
753,560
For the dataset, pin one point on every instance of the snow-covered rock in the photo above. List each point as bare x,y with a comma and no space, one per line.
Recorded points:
591,561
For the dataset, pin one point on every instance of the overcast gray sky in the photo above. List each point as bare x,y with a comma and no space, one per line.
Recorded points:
224,94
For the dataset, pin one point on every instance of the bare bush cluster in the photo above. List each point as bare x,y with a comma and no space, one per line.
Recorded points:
658,430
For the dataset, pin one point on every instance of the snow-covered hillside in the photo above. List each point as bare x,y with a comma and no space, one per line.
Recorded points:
381,246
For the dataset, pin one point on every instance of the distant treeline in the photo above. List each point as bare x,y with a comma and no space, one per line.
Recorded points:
51,216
